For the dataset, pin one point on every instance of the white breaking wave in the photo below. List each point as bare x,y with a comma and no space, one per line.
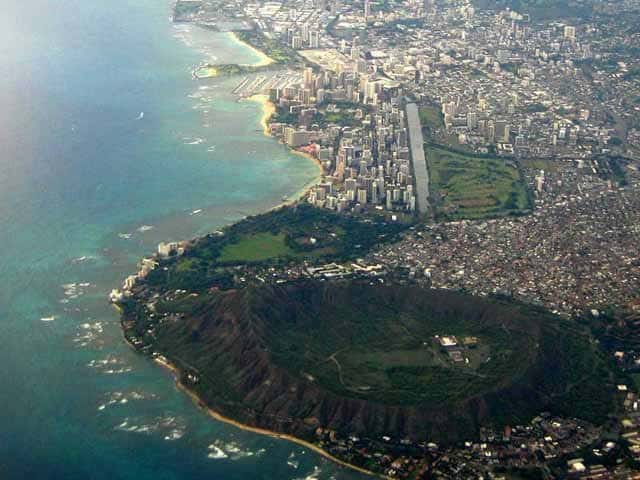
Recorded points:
231,450
312,476
216,453
170,427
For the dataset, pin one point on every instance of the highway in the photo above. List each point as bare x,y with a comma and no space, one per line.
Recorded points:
418,159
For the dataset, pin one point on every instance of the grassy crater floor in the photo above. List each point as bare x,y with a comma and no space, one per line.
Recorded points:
384,344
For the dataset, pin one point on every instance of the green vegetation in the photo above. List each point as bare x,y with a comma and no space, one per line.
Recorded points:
185,10
613,167
342,118
375,345
474,186
536,108
378,343
540,164
467,185
431,118
229,69
282,115
388,353
432,121
278,237
343,114
277,51
258,247
274,49
510,67
541,9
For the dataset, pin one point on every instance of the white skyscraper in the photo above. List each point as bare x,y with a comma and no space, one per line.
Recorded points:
570,32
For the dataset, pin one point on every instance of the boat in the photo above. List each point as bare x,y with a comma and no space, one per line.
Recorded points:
141,116
48,319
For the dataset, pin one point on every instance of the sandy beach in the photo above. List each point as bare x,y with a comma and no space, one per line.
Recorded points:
264,59
268,109
260,431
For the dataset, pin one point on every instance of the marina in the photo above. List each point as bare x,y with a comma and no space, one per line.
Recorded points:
262,83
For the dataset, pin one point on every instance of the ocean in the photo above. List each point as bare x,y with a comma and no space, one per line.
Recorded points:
107,147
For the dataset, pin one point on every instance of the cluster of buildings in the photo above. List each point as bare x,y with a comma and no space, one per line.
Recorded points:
505,82
526,450
496,81
146,266
557,96
577,251
456,349
501,79
364,152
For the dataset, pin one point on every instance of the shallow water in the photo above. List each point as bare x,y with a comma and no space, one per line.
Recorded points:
87,186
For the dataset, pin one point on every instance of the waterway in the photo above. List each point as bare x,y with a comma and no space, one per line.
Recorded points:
418,158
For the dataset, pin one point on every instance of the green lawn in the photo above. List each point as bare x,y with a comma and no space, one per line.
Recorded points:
467,186
300,232
256,247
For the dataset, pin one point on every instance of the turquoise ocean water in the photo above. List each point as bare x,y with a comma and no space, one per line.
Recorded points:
88,185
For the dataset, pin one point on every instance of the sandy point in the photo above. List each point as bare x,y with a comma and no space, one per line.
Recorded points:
264,59
268,109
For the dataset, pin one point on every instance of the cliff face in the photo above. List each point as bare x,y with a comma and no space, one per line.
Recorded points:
261,358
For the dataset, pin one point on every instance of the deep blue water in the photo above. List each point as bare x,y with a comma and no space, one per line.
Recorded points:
86,188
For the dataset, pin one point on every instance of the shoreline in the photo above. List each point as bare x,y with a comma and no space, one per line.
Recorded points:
264,58
268,109
257,430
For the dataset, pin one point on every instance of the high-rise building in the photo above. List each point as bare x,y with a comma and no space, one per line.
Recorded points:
502,131
472,120
570,32
307,77
314,39
367,9
296,138
296,42
428,6
449,109
374,193
491,132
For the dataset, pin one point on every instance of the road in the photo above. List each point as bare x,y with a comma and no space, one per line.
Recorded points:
418,159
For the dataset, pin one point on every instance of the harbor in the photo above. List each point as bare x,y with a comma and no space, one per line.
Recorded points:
262,83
